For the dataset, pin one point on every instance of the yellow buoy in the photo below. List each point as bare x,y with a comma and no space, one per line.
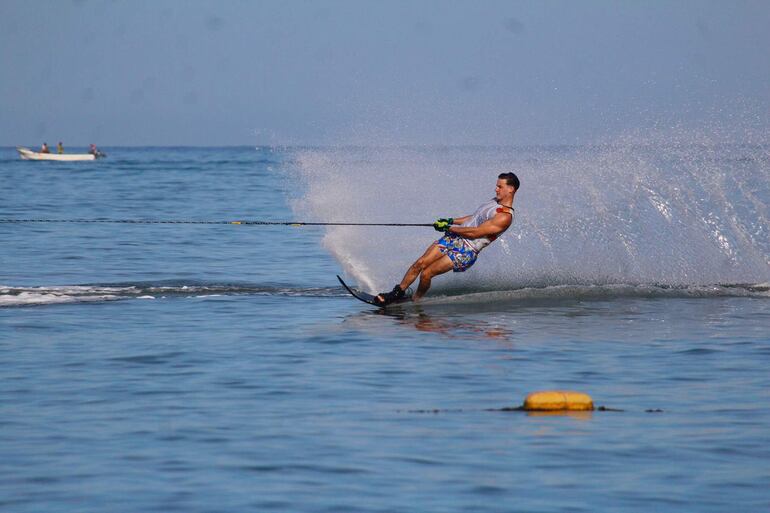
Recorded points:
558,400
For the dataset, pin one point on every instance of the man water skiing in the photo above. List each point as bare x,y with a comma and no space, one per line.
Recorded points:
464,238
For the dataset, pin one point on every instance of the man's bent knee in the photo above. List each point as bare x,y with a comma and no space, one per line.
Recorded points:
418,266
422,263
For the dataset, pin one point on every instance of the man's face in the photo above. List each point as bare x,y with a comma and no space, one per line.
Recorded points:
502,189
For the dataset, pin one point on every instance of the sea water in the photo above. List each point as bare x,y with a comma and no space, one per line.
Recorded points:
220,367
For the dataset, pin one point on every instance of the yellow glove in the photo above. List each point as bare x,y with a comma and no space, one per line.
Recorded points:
443,224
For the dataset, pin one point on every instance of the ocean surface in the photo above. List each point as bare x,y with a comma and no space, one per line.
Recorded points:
202,366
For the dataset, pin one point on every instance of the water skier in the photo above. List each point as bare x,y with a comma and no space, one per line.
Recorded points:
463,239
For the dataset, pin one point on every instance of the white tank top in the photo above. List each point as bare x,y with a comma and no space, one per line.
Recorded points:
482,214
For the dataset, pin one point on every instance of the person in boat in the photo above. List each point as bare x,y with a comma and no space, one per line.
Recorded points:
93,151
44,148
463,239
60,148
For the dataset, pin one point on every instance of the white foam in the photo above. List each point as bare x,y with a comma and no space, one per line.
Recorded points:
59,294
43,295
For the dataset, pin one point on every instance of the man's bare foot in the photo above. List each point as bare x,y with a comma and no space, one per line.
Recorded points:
385,298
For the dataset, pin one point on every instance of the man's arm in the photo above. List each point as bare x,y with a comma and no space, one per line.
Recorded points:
460,220
493,227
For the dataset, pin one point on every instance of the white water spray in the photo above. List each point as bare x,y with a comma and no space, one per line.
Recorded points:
686,211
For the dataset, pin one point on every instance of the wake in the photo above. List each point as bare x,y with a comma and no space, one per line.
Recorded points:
11,296
67,294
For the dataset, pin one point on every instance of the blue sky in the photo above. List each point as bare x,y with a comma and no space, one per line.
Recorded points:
376,72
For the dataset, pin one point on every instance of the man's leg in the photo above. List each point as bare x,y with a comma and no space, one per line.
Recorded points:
439,266
431,255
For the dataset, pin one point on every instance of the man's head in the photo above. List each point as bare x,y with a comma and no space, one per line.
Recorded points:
506,187
510,179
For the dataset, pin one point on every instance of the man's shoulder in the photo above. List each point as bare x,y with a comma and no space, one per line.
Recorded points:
503,218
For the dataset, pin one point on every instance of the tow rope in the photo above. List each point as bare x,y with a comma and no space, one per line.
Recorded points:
244,222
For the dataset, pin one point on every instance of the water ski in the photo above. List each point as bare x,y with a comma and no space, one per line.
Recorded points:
368,298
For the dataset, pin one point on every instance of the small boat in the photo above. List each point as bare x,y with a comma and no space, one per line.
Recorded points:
27,154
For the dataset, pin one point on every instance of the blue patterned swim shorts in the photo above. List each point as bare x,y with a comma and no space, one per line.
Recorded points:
462,256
